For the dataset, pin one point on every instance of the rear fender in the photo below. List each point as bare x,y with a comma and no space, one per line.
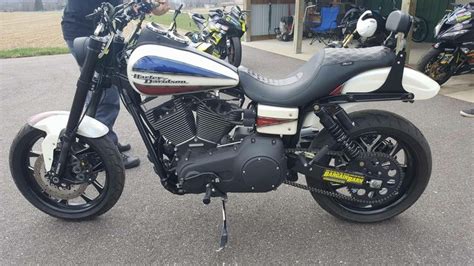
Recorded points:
53,123
422,86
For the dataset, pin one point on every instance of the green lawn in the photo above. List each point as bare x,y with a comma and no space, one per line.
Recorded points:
27,52
183,21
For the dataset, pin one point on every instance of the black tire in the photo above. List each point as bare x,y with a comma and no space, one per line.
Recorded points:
418,175
420,30
235,51
26,183
431,57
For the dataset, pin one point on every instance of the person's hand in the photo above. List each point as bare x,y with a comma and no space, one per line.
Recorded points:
162,8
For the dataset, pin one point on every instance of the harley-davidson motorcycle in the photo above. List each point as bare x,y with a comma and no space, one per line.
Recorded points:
453,54
365,166
220,34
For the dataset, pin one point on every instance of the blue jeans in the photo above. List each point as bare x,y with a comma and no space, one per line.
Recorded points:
109,105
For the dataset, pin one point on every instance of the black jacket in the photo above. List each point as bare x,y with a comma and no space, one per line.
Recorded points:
74,23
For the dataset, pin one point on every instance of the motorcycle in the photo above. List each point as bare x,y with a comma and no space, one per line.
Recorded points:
188,106
368,31
453,54
373,32
220,34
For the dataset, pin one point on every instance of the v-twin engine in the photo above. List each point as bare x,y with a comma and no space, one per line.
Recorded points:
202,149
257,164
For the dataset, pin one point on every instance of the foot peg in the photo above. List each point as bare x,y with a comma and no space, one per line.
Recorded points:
224,233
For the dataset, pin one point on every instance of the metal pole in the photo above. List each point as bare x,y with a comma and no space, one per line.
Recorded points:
248,7
409,7
298,22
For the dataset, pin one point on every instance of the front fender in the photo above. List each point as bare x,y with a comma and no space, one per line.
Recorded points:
52,123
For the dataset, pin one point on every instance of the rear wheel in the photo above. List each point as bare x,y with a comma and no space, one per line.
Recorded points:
92,183
420,29
393,139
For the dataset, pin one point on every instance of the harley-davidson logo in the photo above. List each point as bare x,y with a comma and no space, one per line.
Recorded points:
151,79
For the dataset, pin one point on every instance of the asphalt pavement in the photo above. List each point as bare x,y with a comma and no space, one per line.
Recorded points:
149,225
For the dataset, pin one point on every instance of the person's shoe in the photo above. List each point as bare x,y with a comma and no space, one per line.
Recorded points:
130,161
123,147
468,113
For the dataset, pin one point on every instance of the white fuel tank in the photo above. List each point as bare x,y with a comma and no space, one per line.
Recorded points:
422,86
155,69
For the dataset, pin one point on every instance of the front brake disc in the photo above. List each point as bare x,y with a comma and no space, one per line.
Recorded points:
60,191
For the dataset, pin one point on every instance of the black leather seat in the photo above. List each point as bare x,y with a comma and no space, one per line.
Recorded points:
323,73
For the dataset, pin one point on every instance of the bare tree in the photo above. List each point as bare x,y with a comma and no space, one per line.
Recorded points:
38,5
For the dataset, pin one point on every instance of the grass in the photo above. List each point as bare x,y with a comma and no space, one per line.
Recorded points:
44,37
183,21
28,52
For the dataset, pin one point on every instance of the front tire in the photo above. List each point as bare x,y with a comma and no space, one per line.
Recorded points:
430,65
75,202
234,51
417,172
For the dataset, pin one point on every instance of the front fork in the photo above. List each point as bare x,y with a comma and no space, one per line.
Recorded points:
84,83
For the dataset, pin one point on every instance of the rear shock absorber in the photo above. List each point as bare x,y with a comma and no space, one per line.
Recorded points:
337,131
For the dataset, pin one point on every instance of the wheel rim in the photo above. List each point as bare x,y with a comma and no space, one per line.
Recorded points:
387,144
420,31
436,70
93,192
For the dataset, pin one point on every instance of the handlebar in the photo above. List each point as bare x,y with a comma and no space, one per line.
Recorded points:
122,14
176,13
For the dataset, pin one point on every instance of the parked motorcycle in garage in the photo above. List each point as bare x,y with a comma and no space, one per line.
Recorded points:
365,166
220,34
453,54
367,27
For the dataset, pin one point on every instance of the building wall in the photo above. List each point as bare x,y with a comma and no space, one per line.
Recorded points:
431,10
260,21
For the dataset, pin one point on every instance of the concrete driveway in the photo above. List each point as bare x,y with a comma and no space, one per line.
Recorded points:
149,225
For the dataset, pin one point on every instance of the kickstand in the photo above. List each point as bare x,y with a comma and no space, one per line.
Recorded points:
224,234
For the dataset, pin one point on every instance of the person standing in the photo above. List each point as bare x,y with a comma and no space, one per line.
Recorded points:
74,24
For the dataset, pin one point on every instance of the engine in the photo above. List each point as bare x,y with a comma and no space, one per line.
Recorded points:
194,121
205,144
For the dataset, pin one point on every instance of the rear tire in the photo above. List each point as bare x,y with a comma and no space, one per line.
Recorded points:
25,180
420,30
384,123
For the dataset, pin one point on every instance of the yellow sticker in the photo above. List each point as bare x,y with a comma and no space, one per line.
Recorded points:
341,177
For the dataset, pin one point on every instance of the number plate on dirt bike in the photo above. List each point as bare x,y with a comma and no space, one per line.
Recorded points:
342,177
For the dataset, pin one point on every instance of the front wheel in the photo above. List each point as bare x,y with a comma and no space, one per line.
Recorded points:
391,139
91,185
234,51
437,65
